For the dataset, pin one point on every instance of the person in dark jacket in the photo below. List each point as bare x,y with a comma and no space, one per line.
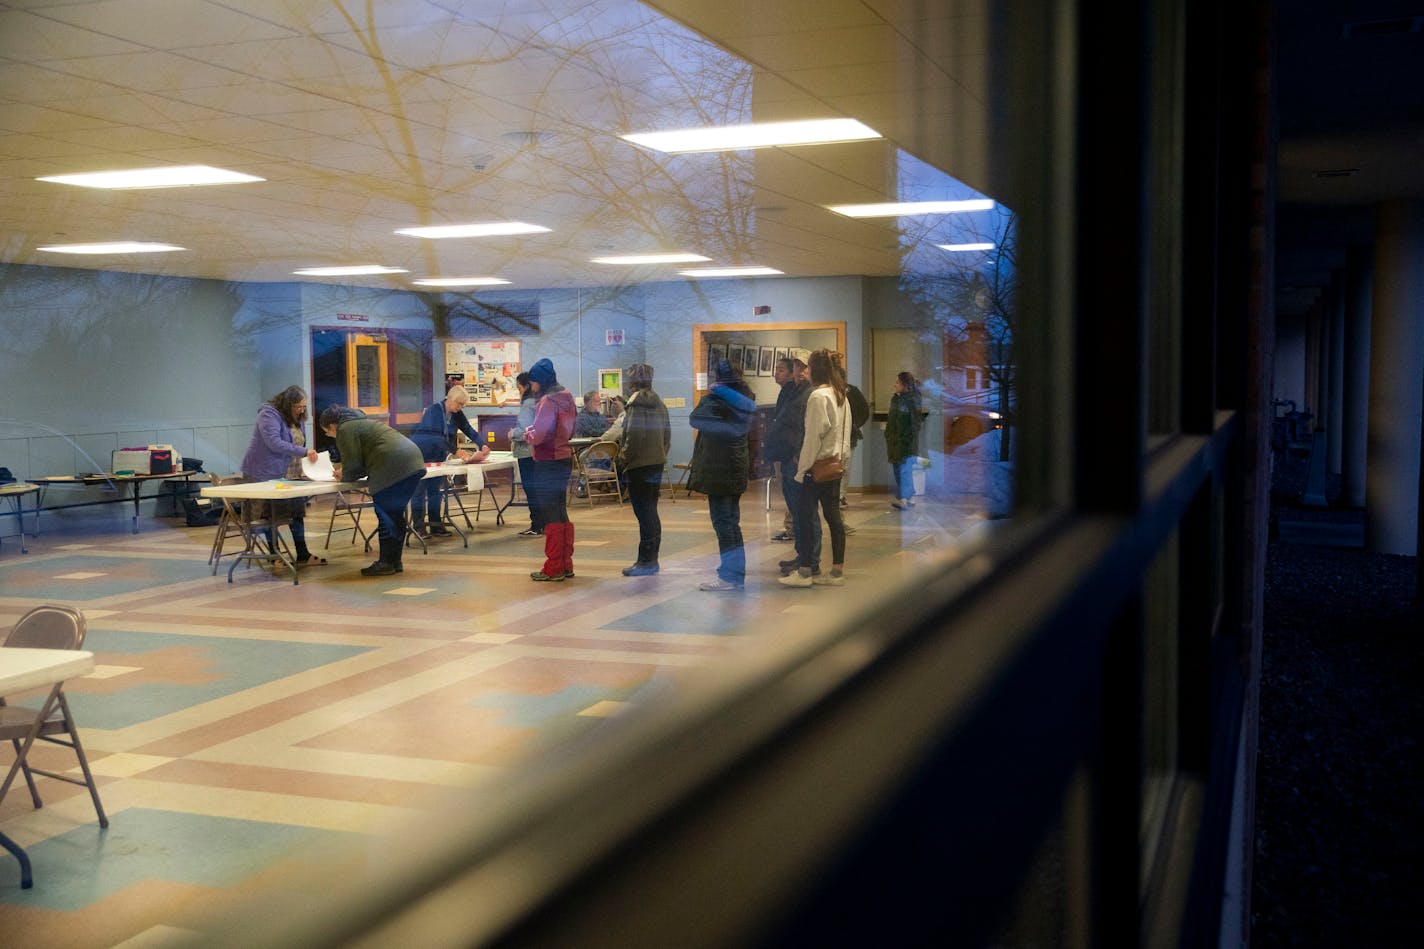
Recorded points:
902,437
549,436
435,437
392,467
783,437
644,435
590,421
720,465
277,445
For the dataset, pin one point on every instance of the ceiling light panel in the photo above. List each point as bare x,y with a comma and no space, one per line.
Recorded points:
113,247
492,229
709,272
757,135
173,176
352,271
651,259
460,282
910,208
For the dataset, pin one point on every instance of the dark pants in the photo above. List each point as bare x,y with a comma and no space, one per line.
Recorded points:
826,494
645,485
390,505
526,478
425,506
793,491
548,489
726,513
296,522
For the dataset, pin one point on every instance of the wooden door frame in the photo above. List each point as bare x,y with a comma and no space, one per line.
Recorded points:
699,348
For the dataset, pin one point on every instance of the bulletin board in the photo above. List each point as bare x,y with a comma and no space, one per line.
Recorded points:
489,368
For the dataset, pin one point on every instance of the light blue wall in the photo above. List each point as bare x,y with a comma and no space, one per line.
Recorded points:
91,360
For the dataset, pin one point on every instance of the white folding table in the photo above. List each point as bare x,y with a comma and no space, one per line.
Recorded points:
23,669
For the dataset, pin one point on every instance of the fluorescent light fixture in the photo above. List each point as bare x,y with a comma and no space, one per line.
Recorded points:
965,247
731,272
459,282
171,176
908,208
355,271
652,259
729,138
113,247
492,229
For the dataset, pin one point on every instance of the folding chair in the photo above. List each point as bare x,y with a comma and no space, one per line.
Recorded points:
598,481
46,627
229,522
348,505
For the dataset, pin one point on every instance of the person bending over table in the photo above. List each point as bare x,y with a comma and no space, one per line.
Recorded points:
278,445
435,437
392,467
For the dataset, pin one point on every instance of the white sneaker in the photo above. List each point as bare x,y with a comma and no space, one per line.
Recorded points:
910,502
795,580
829,580
897,503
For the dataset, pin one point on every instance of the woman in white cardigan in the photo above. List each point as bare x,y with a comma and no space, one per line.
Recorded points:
827,436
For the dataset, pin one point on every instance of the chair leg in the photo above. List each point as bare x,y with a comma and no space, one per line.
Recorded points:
29,777
78,747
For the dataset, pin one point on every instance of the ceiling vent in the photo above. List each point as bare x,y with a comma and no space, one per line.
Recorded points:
1390,27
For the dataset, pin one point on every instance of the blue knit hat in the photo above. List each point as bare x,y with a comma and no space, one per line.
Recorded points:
542,372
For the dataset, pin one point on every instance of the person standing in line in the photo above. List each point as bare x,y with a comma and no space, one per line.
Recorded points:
902,437
549,436
720,465
523,454
393,469
435,437
644,435
827,437
277,448
783,437
859,415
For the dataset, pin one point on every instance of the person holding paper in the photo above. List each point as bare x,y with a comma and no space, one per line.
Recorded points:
277,445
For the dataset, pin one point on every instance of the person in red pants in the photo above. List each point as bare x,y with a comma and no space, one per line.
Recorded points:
553,464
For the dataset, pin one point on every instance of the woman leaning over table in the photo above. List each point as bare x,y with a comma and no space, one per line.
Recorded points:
392,467
276,448
435,437
827,436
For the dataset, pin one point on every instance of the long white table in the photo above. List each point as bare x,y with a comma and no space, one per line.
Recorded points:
284,490
22,669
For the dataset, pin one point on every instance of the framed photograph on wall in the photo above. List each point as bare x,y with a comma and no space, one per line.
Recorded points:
751,358
768,358
734,354
715,353
782,352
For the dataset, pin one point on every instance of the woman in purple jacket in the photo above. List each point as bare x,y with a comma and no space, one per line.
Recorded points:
277,442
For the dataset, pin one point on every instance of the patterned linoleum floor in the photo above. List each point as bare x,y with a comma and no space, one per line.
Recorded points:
233,727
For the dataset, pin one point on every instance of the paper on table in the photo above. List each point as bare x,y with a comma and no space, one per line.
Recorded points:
319,470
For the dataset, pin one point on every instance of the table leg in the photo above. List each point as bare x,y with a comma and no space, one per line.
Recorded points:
27,879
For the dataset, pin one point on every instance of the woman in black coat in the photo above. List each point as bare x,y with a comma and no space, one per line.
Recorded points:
720,462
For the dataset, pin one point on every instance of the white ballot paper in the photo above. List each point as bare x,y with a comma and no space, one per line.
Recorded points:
319,470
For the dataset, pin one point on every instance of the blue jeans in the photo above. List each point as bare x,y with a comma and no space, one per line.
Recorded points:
726,513
390,505
645,485
526,478
904,477
548,489
425,506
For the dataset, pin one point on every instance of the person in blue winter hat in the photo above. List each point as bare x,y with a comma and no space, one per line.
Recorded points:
549,436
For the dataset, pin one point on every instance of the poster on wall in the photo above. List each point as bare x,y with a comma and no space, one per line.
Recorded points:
489,368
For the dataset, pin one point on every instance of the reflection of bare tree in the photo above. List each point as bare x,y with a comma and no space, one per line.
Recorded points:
972,300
